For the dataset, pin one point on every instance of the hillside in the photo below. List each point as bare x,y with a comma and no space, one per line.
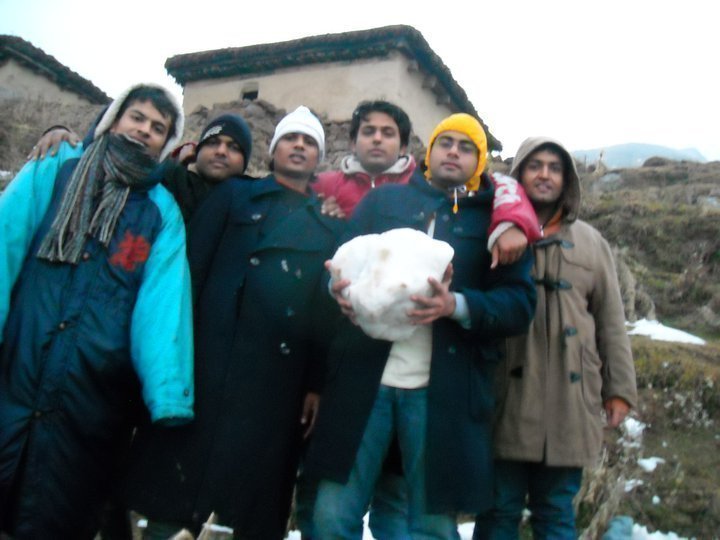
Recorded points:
679,410
664,221
635,154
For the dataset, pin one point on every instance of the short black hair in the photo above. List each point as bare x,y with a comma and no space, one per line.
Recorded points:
400,117
158,98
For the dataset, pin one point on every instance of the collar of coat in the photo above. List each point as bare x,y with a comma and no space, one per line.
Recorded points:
351,166
270,186
482,196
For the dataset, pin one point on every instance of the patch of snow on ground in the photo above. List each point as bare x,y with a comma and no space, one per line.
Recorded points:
295,535
632,431
660,332
632,484
466,530
634,428
649,464
641,533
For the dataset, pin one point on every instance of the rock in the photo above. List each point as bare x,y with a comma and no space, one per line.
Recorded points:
656,161
384,270
637,303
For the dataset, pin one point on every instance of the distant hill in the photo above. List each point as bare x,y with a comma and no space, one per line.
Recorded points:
635,154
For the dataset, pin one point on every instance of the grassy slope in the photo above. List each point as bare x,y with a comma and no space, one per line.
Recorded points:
680,404
671,242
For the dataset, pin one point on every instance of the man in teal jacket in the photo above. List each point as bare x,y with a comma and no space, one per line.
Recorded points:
95,315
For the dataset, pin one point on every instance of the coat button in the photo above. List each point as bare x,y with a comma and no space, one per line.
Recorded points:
445,218
256,217
37,414
284,349
290,312
186,392
254,261
62,326
85,256
451,349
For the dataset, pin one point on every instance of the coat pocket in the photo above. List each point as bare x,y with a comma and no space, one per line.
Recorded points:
481,379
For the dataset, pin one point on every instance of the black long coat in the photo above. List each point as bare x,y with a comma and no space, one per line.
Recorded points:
256,253
501,302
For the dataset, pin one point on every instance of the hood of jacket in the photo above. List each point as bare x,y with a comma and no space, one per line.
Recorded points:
570,197
351,165
111,114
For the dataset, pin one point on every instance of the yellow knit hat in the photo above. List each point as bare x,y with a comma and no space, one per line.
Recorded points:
463,123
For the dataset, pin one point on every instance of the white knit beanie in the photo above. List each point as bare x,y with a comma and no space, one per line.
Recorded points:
301,120
112,111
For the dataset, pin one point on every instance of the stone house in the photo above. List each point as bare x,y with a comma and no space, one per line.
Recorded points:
28,73
330,74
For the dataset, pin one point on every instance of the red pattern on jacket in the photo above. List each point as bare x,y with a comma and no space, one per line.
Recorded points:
511,204
132,251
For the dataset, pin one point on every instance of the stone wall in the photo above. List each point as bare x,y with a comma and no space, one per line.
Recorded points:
22,122
262,117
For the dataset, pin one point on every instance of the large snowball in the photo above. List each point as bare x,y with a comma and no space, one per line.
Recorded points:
384,270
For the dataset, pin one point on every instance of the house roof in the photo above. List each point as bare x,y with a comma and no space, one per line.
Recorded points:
41,63
376,42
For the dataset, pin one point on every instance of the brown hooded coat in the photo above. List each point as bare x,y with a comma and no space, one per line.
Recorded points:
576,354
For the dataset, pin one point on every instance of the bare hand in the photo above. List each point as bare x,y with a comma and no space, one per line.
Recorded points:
616,409
187,153
311,406
509,247
51,142
441,302
336,289
330,207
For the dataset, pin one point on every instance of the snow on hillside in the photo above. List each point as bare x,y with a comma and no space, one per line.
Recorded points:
657,331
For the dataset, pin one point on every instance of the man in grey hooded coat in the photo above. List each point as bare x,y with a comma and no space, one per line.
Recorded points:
572,367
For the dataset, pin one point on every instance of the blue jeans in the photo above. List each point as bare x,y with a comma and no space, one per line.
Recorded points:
339,508
550,492
389,507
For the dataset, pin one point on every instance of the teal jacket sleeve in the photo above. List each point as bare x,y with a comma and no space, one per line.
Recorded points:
161,332
22,207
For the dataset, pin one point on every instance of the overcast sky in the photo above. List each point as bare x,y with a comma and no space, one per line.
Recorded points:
590,73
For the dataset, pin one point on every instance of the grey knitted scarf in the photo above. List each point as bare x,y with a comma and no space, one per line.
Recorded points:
95,196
